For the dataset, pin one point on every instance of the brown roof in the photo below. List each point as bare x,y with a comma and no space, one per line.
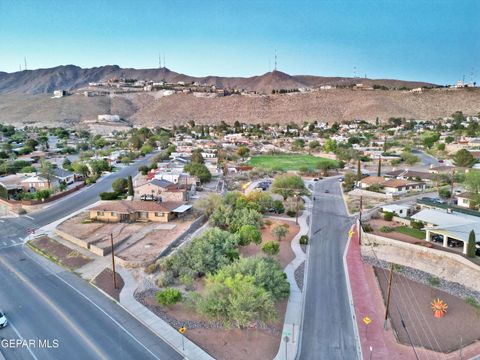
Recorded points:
466,195
126,206
395,183
371,180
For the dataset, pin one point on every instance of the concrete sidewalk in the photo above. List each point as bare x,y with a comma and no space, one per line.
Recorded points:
293,315
161,328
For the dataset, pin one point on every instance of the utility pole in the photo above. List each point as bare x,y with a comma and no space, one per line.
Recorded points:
388,293
113,262
379,171
360,222
451,187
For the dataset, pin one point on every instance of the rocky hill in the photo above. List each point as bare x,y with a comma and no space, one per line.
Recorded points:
71,77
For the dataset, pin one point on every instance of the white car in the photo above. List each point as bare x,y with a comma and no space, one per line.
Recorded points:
3,320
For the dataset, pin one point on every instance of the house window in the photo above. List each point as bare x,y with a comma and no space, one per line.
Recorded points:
99,213
159,214
112,213
143,214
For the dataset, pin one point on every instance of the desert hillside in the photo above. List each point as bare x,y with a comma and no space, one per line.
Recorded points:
330,105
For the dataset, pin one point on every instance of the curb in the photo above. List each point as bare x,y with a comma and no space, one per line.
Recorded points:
350,297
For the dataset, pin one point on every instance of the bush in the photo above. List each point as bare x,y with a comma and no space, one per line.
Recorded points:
433,281
109,195
367,227
249,234
150,269
303,240
168,296
166,279
271,248
279,231
187,280
416,224
388,216
386,229
277,206
120,185
268,222
291,213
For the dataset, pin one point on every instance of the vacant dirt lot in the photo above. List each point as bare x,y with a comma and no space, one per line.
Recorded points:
98,232
60,253
152,244
413,300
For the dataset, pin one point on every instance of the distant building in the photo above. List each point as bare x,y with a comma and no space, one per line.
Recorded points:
59,93
109,118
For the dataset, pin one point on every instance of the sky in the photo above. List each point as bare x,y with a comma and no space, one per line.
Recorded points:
428,40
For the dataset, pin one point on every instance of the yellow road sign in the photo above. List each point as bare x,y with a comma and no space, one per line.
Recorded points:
182,330
367,320
350,233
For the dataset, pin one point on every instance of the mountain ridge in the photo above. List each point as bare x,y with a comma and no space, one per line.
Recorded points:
71,77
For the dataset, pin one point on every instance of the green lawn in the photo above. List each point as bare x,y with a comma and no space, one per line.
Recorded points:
287,161
419,234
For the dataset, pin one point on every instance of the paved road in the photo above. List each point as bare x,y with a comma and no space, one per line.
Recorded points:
425,159
46,305
327,325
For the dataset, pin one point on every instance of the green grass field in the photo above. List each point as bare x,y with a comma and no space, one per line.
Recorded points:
411,232
287,161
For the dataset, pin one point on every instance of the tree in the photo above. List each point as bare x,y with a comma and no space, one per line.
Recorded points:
359,170
248,234
471,248
80,168
208,204
47,170
236,300
130,186
330,146
146,149
143,169
286,185
200,171
168,297
243,151
197,157
3,192
430,138
472,184
98,166
464,158
313,145
67,164
349,181
298,144
279,231
324,166
120,185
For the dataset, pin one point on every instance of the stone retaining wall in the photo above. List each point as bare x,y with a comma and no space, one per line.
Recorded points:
442,264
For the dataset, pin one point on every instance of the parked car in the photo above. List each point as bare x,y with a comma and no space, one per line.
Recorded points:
341,179
3,320
454,243
148,198
327,191
437,238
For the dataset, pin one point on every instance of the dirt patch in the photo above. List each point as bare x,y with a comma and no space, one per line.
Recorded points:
104,281
413,300
60,253
286,255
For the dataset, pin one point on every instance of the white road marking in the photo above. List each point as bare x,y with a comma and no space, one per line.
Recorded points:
21,338
106,314
19,238
13,241
31,218
4,242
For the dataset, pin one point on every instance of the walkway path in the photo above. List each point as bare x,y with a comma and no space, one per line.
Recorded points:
293,316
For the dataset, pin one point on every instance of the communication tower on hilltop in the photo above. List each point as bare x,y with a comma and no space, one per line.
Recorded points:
275,68
25,60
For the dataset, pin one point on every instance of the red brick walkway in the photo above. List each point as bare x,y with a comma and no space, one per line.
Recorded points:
368,301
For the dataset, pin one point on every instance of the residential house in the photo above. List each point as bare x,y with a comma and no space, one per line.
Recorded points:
12,183
411,175
453,226
160,189
131,211
36,183
397,209
64,176
371,180
466,200
400,186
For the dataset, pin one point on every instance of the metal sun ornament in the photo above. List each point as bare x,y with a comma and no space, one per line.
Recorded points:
439,308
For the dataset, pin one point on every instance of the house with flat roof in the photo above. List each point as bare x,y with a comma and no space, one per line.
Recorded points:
449,224
466,200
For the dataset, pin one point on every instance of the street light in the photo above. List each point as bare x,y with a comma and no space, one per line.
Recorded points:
371,352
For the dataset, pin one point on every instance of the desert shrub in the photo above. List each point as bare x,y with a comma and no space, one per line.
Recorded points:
150,269
470,300
187,280
168,296
204,254
166,279
268,222
388,216
386,229
433,281
271,248
303,240
277,206
279,231
291,213
249,234
367,227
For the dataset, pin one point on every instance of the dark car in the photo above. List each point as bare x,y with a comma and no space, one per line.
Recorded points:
437,238
327,191
454,243
3,320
